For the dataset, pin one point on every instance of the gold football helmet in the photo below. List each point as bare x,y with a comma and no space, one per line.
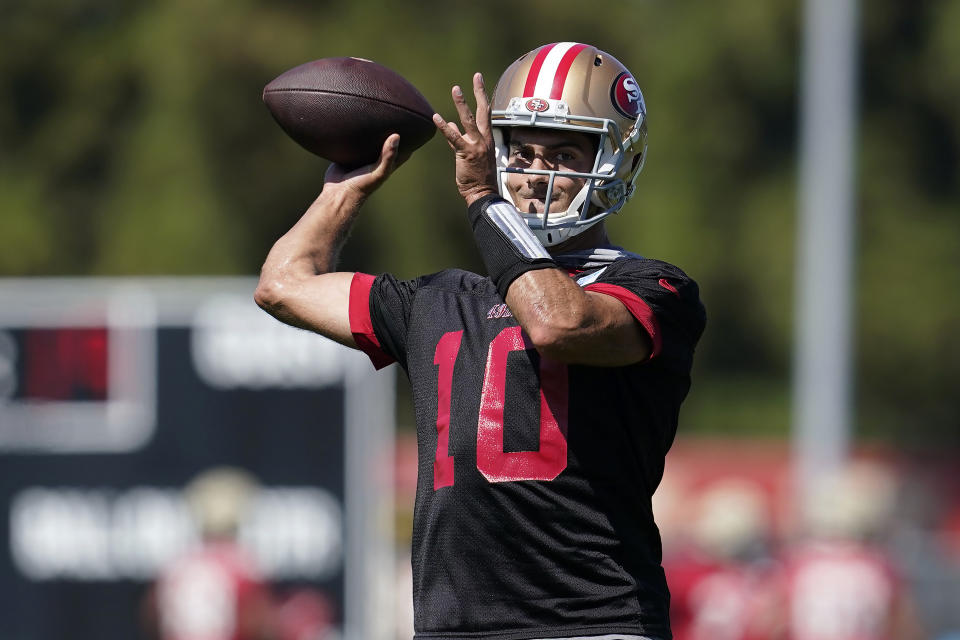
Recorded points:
574,87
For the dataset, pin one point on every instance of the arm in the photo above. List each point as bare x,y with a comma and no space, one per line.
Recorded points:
567,324
298,284
563,321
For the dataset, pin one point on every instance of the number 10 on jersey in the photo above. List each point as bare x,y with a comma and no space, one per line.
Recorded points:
493,462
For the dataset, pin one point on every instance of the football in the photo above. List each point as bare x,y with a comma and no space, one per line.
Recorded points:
342,109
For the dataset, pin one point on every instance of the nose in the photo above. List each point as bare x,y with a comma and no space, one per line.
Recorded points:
539,163
538,177
537,183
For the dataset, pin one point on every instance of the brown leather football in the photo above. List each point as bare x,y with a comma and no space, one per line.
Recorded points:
342,109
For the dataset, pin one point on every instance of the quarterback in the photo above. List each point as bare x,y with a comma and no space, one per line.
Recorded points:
546,391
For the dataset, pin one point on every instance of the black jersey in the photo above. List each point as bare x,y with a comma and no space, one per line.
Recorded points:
533,511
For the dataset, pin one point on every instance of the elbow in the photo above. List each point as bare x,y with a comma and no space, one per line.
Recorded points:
547,342
270,294
556,337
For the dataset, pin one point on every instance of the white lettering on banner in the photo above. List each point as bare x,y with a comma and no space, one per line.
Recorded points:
103,534
235,344
296,533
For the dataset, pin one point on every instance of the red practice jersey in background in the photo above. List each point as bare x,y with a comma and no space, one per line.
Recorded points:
213,593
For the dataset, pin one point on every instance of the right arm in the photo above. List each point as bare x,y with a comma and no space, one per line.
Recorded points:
298,282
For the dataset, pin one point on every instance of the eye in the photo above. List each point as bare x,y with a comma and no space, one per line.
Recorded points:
522,155
566,158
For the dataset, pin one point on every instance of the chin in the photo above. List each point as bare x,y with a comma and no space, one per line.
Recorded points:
536,207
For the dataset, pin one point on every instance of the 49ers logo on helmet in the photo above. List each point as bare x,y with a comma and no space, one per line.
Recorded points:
626,97
537,104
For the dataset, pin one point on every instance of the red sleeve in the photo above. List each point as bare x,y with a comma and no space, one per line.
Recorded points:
361,324
637,308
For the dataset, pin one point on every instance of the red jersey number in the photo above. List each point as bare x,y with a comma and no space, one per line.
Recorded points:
444,357
494,463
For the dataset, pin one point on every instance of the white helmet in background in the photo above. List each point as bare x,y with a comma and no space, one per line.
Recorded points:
574,87
219,499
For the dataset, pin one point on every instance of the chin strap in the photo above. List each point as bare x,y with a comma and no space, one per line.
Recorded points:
507,245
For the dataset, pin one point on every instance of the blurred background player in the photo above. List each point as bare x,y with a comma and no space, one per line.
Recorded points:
840,582
214,591
722,578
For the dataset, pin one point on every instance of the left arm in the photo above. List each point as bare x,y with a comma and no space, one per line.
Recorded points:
567,324
563,321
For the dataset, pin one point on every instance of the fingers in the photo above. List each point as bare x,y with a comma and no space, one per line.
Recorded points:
474,126
483,104
463,111
449,131
388,157
367,178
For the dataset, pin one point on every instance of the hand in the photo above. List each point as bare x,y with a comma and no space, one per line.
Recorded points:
475,154
363,181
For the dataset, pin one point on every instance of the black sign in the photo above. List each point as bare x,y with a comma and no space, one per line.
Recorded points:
113,397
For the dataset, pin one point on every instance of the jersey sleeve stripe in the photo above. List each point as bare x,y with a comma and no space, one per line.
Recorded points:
637,308
361,324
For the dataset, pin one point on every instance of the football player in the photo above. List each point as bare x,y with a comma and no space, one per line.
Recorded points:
546,391
213,591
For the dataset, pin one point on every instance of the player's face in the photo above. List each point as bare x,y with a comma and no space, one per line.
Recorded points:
551,150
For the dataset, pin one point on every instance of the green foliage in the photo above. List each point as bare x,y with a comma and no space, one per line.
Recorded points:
133,141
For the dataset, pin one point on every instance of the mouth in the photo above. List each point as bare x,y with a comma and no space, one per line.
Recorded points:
534,206
536,203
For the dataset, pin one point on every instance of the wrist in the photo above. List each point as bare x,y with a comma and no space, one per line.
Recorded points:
477,206
337,201
342,195
474,195
508,247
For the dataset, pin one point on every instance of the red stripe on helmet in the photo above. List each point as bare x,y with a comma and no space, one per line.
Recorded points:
563,69
535,70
